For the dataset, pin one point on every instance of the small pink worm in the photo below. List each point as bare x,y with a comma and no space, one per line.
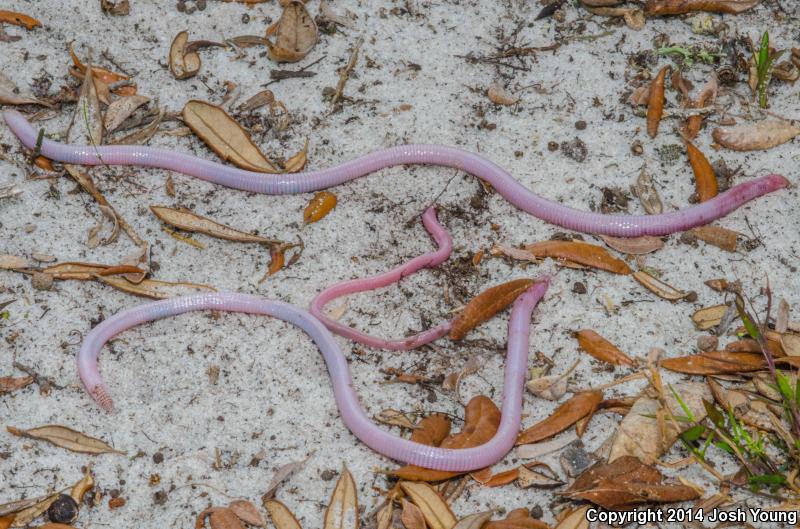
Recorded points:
353,415
428,260
500,180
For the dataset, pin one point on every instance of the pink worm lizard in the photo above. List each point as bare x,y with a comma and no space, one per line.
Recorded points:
353,415
500,180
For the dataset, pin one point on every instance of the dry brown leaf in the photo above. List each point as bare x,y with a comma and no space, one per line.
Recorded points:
678,7
64,437
517,519
103,76
262,98
579,252
550,387
704,177
602,349
642,435
319,206
634,245
395,418
281,516
9,384
296,34
297,162
474,521
434,509
719,237
756,136
187,220
645,191
118,8
25,516
500,96
634,18
432,430
220,518
528,477
655,102
87,271
625,482
281,475
143,134
576,408
707,95
709,317
152,288
121,109
715,363
10,94
576,519
485,305
791,344
342,511
183,63
481,420
225,136
81,487
412,516
659,288
86,127
247,512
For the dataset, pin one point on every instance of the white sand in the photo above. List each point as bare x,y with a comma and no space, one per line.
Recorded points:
273,397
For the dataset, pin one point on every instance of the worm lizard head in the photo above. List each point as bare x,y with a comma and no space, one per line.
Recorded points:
100,394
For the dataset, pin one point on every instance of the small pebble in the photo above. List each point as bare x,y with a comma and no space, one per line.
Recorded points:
158,458
245,18
637,148
63,510
574,460
580,125
707,343
579,288
552,146
328,475
160,497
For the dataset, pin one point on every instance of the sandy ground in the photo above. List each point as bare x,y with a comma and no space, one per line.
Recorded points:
272,403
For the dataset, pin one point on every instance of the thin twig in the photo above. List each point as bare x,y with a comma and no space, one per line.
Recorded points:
344,76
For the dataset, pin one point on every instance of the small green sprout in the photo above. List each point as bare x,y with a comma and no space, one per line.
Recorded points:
765,63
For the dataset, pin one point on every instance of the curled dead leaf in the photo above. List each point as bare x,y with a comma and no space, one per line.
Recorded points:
717,236
121,109
755,136
659,288
342,511
485,305
412,515
182,63
247,512
281,516
575,409
296,34
709,317
225,136
187,220
500,96
679,7
319,206
645,190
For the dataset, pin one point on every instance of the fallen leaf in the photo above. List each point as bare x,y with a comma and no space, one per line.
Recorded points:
121,109
634,245
412,515
642,435
790,344
655,102
11,262
187,220
432,430
81,487
500,96
10,94
281,475
25,516
225,136
219,518
342,511
579,252
602,349
118,8
709,317
576,408
487,479
658,287
87,271
433,507
755,136
715,363
154,289
18,19
719,237
517,519
103,76
395,418
319,206
262,98
86,127
707,96
281,516
481,420
485,305
645,191
704,178
247,512
9,384
678,7
298,161
550,387
64,437
625,482
296,34
182,63
528,477
576,519
474,521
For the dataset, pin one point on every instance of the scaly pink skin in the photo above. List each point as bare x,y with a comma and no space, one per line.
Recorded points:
460,460
428,260
501,181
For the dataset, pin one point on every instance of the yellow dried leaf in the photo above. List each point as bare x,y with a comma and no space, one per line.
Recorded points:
187,220
247,512
434,509
756,136
658,287
296,34
281,516
64,437
151,288
709,317
224,136
342,511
